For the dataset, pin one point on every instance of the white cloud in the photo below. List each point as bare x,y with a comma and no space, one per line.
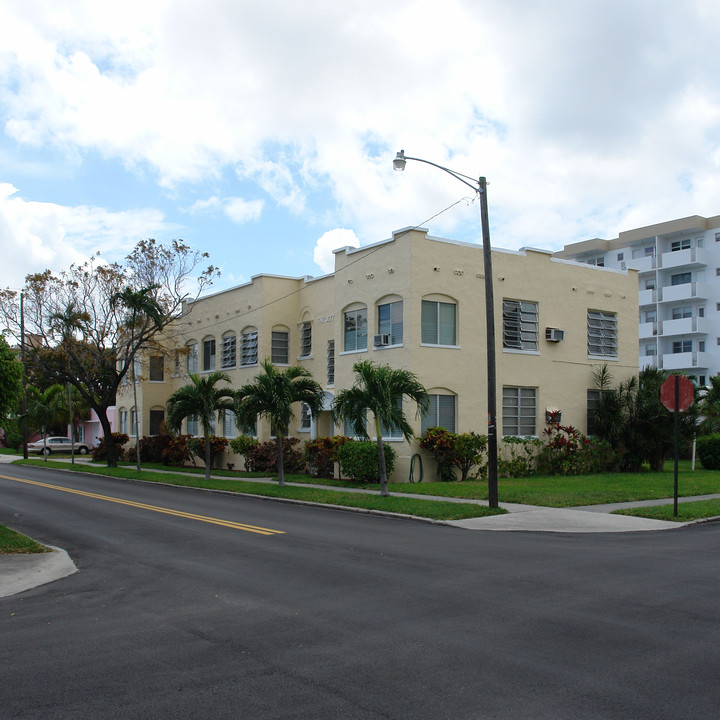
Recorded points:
329,241
36,236
586,117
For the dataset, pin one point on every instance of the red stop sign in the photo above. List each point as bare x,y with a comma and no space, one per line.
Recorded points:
685,393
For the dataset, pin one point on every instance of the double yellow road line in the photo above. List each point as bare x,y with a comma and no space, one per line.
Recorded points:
153,508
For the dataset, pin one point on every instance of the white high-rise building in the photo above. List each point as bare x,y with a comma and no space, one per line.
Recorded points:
678,264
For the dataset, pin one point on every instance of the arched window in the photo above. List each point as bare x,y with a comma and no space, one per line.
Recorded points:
249,346
228,350
439,321
355,328
192,357
208,354
280,347
441,412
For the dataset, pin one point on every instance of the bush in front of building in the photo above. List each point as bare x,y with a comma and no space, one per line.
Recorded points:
263,457
241,445
518,456
358,460
99,452
569,452
321,455
464,452
708,451
165,449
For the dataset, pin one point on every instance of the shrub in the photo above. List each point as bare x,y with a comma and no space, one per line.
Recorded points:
263,457
152,448
241,445
521,462
217,446
177,452
99,452
454,451
708,450
359,460
321,455
569,452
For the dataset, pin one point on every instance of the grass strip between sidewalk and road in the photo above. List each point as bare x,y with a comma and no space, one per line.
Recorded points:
687,511
12,542
431,509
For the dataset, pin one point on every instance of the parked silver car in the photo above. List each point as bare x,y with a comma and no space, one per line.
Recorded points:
58,445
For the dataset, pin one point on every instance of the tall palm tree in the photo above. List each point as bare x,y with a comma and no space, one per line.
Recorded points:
271,395
201,399
380,390
142,308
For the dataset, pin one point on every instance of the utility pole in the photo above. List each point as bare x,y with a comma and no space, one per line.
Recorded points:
24,376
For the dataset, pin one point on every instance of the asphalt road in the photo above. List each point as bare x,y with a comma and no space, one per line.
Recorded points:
341,615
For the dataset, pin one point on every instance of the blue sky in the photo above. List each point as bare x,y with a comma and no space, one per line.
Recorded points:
264,133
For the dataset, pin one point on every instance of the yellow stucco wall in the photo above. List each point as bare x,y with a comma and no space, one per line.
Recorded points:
412,266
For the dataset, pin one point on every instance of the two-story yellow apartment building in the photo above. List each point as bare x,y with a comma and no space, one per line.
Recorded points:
415,302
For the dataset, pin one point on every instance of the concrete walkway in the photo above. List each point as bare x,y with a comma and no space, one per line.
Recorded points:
22,572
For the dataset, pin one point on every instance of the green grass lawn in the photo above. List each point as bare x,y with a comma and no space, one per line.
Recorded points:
687,511
573,490
432,509
14,542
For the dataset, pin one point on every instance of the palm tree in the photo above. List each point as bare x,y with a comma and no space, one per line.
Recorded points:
142,309
201,399
45,409
272,395
710,406
380,390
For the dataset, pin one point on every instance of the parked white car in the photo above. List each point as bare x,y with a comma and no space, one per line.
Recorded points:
57,445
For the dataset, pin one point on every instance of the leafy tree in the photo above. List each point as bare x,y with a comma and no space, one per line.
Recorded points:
272,395
380,389
202,399
77,328
10,381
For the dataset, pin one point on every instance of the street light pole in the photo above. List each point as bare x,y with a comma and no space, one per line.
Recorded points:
479,186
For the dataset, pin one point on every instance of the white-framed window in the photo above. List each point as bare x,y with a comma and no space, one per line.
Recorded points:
649,251
602,333
598,261
441,413
306,339
681,278
157,368
228,350
228,423
650,316
280,347
355,329
681,346
701,346
80,433
520,325
650,284
209,354
192,358
249,347
390,321
331,362
192,425
677,245
305,418
137,367
678,313
438,323
519,411
124,416
650,349
133,423
620,257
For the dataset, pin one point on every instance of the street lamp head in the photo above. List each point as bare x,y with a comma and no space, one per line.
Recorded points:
399,161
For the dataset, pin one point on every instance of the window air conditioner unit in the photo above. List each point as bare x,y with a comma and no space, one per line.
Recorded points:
381,340
554,335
